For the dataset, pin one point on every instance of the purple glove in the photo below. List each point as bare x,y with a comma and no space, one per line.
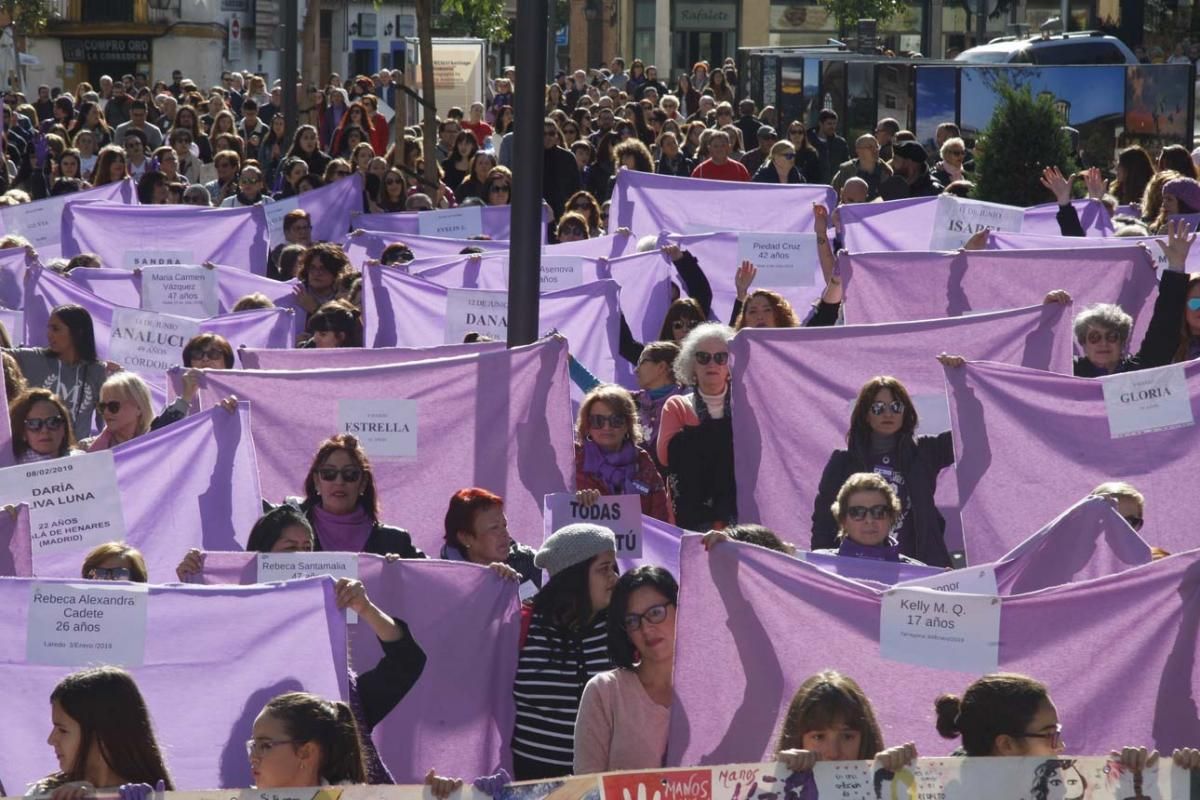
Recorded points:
278,185
493,784
41,149
141,791
152,165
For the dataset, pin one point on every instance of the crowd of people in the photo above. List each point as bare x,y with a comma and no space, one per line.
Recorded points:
670,441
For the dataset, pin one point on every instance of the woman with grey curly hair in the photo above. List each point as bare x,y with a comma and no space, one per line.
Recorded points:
1102,330
695,436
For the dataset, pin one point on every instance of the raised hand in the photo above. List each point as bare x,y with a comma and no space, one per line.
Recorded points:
1178,243
820,218
1094,182
1057,296
947,360
1052,178
744,278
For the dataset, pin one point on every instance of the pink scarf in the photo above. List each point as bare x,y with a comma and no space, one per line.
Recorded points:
342,533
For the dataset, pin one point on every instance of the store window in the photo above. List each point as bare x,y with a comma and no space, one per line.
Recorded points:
643,31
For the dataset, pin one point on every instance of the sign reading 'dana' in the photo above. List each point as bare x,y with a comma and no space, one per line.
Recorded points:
296,566
561,272
940,630
142,258
972,580
385,427
480,310
957,220
1150,400
75,624
147,341
451,223
782,259
184,291
620,513
74,503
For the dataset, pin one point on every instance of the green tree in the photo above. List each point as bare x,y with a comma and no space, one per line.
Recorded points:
849,12
482,19
1024,136
30,16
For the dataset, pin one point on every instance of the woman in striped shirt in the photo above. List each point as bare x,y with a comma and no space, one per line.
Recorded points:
566,644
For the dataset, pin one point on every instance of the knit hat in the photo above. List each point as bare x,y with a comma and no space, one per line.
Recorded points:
574,544
913,151
1186,190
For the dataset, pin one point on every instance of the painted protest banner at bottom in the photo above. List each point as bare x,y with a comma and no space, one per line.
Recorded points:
75,624
622,513
940,629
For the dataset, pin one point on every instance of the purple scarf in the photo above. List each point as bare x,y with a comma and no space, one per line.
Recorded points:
342,533
617,470
879,552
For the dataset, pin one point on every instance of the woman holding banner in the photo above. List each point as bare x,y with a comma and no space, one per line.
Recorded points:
477,531
882,439
866,511
41,427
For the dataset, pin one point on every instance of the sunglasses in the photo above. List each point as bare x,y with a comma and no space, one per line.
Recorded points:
788,156
860,513
703,357
896,407
500,187
49,423
654,615
1193,304
1112,337
598,421
956,152
349,474
211,354
252,181
1135,522
111,407
684,324
393,182
109,574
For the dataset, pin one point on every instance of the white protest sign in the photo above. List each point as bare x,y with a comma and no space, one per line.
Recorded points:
451,223
621,513
76,624
385,427
145,341
144,257
385,110
296,566
184,291
940,630
561,272
971,580
39,222
74,503
275,212
1149,400
480,310
782,259
957,220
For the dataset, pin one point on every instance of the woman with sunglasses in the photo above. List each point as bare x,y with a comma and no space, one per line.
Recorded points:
609,458
882,439
625,712
498,187
115,561
473,185
695,434
866,511
808,160
393,191
457,165
251,191
41,427
780,166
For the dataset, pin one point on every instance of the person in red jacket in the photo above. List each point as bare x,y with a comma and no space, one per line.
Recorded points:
719,166
379,134
476,124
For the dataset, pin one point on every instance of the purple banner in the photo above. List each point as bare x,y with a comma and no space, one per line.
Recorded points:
343,357
647,203
288,637
890,287
133,236
497,222
124,288
329,207
1000,240
820,371
16,546
1003,415
613,245
512,437
744,607
13,268
361,245
868,570
466,686
6,450
40,221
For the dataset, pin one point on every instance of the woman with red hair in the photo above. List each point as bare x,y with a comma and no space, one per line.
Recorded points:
358,116
477,531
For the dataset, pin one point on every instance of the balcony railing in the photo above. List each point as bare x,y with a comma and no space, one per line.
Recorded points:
155,12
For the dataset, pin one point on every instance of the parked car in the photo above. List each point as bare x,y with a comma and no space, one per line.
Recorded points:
1086,47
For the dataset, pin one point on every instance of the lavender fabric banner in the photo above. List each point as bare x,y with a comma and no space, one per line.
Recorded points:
1005,415
329,207
820,371
867,570
742,606
1002,240
13,264
1088,540
361,245
401,310
193,483
466,687
889,287
342,357
613,245
124,288
498,420
40,221
16,547
908,224
647,203
497,222
6,450
14,322
717,254
288,637
127,236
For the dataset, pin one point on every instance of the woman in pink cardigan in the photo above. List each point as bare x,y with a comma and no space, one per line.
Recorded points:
624,713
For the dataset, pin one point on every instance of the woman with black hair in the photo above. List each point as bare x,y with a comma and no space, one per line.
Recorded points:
300,739
335,324
306,146
103,738
41,427
625,712
566,645
68,365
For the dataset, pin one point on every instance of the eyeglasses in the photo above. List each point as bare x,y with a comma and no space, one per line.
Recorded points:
111,407
393,182
1193,304
1054,738
614,421
684,324
896,407
251,181
1112,337
212,354
1134,522
654,615
703,357
956,152
497,188
109,574
35,424
790,156
257,748
860,513
348,474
